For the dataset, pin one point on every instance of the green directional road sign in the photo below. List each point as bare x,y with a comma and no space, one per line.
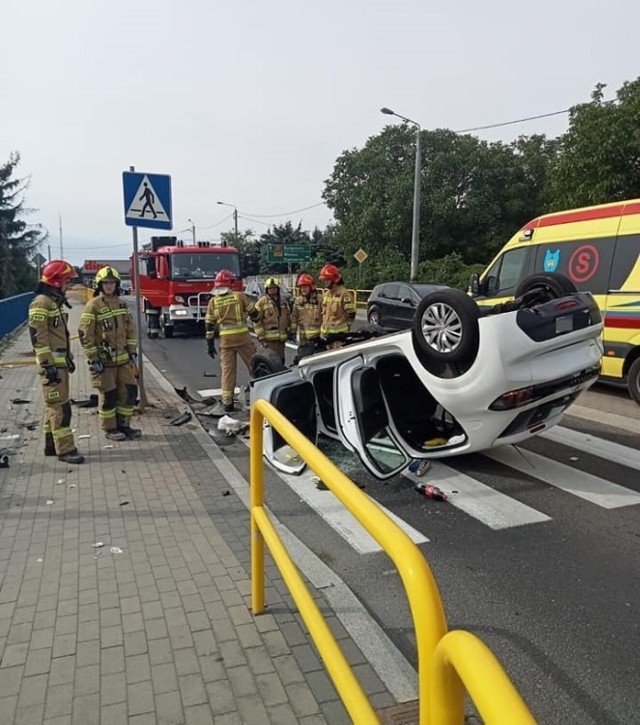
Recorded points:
288,253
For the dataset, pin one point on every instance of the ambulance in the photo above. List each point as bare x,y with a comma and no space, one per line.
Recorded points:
598,249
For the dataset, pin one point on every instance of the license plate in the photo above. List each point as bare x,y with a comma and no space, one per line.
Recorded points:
564,324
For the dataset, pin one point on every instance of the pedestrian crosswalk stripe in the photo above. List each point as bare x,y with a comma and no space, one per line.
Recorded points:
591,488
494,509
600,447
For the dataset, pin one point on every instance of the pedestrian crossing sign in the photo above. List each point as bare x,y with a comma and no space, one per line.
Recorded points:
147,200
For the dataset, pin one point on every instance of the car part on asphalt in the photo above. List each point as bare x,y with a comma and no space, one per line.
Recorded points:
181,419
266,362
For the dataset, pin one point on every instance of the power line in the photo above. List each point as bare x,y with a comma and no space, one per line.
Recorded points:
217,224
511,123
255,221
287,213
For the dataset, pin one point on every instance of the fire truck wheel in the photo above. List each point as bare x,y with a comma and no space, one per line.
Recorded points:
165,330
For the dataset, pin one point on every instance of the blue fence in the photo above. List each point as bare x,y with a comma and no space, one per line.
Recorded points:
13,312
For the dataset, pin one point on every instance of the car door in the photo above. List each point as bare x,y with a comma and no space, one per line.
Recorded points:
405,306
388,302
295,398
363,419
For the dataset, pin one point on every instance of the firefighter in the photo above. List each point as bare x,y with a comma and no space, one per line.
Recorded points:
338,306
306,318
50,340
109,340
227,319
274,318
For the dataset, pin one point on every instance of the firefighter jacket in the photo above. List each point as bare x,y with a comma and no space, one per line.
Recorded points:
274,319
227,316
306,317
338,310
48,328
106,331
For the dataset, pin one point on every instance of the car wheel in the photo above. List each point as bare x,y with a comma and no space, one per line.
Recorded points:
445,329
373,315
556,285
633,380
266,362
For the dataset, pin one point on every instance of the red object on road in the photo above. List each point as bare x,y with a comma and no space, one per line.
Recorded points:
428,490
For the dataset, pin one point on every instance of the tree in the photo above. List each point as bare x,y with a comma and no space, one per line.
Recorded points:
248,248
19,240
474,193
599,158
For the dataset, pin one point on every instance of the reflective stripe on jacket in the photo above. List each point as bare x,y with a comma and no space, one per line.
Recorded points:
48,330
227,315
306,317
338,310
106,330
274,320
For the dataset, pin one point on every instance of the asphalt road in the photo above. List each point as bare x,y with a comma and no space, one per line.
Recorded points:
538,554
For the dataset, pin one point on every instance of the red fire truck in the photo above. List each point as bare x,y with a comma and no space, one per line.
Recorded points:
176,282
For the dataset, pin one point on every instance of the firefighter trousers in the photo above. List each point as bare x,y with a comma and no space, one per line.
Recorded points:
230,347
57,412
118,390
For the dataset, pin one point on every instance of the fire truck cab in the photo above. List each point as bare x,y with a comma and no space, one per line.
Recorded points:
176,280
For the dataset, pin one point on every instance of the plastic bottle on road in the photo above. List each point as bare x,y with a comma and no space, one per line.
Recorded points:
428,490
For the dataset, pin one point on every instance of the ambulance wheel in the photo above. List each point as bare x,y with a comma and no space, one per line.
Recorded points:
633,380
556,285
445,330
266,362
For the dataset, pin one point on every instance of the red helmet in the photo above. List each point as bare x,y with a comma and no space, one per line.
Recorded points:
56,272
330,273
224,278
306,280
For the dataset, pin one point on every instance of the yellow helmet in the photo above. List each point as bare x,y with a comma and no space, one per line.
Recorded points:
271,282
107,274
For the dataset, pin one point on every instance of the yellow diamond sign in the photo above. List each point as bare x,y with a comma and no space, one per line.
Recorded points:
360,255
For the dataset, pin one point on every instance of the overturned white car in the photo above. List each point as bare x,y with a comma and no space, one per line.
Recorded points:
461,380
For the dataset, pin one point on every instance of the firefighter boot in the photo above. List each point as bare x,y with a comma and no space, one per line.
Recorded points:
71,457
131,433
49,445
115,435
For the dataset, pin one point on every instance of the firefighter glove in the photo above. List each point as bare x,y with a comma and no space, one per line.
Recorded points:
211,348
51,374
96,367
133,357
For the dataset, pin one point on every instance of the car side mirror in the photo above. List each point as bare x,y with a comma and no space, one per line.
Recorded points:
474,284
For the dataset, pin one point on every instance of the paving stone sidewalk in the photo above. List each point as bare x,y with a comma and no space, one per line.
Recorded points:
159,629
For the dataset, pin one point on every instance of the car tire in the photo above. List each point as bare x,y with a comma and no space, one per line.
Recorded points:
446,331
557,285
633,380
373,315
266,362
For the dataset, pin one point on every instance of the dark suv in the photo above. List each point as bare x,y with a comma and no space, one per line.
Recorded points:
393,304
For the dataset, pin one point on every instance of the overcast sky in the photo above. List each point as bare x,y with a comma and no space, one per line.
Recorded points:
252,102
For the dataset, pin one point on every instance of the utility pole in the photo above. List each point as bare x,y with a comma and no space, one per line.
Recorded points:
193,231
235,221
136,282
60,227
48,252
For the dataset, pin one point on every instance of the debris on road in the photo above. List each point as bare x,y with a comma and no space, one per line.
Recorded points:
226,492
84,436
185,395
231,426
49,502
60,481
573,458
419,466
181,419
124,503
98,545
90,402
428,490
115,550
20,401
4,461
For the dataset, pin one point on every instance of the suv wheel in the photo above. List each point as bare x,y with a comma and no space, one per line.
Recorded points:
445,329
266,362
373,315
556,285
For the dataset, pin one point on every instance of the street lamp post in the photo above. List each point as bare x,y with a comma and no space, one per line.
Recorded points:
193,231
235,217
415,232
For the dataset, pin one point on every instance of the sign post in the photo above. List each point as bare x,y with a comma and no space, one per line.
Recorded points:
144,193
360,256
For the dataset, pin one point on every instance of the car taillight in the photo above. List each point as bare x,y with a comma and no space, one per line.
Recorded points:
179,300
513,399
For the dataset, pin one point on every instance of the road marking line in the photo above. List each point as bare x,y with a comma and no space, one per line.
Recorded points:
326,505
614,452
613,419
210,392
591,488
492,508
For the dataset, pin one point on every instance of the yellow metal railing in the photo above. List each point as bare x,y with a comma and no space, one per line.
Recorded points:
434,665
